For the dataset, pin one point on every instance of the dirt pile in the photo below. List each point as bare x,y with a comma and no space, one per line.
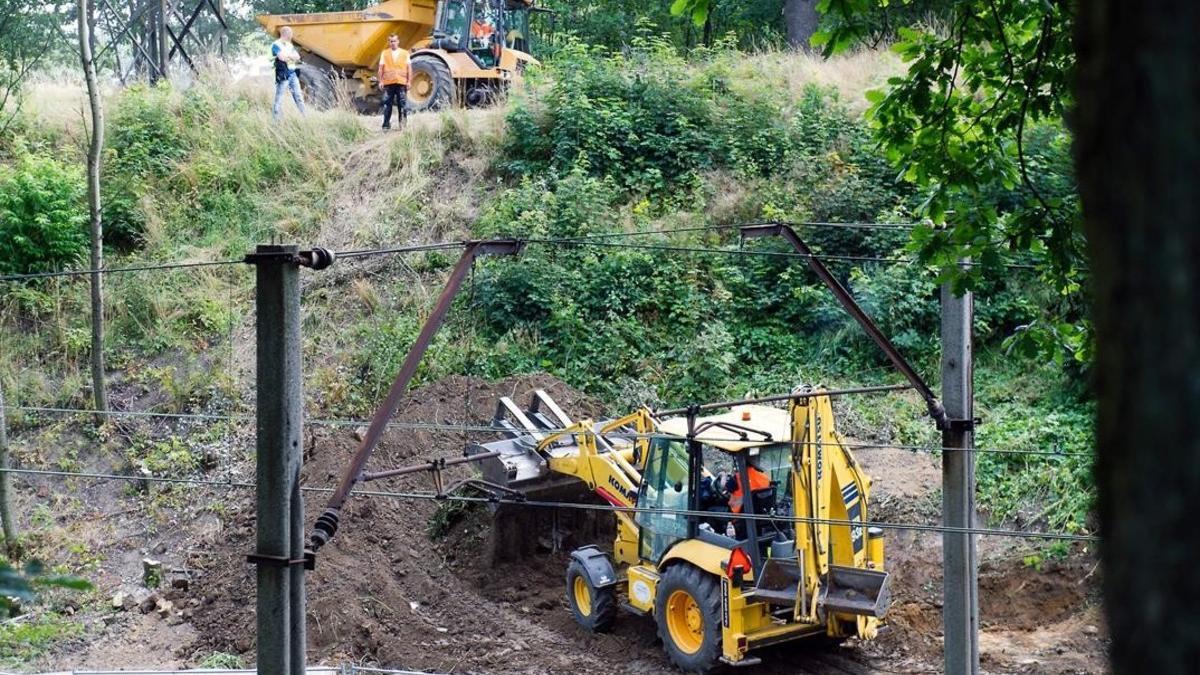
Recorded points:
382,591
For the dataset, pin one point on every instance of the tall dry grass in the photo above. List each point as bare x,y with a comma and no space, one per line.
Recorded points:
851,75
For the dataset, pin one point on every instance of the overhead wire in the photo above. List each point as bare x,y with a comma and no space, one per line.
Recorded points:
592,239
117,270
483,428
568,241
691,513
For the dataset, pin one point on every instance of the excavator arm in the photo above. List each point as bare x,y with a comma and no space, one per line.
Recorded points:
842,558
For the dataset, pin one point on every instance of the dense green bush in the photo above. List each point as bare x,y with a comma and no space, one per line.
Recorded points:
145,138
646,128
43,220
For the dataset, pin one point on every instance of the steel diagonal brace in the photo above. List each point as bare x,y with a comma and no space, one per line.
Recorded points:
936,411
327,523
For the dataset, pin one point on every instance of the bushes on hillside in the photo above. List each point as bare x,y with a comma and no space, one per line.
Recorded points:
653,124
145,139
43,223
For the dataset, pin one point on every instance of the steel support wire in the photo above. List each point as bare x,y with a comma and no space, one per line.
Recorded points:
431,496
481,428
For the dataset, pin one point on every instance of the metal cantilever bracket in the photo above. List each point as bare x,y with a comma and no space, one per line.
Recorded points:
936,411
327,523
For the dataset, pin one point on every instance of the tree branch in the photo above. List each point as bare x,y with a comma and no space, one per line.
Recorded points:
1031,87
945,115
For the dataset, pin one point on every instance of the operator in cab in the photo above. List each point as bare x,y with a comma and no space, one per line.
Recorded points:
394,73
758,481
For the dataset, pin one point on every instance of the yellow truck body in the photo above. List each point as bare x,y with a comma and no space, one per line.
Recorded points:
451,64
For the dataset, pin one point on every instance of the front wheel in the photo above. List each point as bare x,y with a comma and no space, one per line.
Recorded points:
688,612
432,86
594,608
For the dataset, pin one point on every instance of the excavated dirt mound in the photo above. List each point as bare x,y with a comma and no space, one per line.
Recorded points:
487,594
384,593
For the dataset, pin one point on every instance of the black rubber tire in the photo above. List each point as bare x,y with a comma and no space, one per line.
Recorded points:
444,92
705,590
319,89
603,612
368,105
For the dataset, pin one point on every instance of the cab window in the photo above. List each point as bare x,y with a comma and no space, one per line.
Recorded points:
665,486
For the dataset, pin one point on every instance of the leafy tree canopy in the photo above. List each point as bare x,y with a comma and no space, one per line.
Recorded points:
985,77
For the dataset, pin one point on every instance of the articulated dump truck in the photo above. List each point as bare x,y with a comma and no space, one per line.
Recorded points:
464,52
721,572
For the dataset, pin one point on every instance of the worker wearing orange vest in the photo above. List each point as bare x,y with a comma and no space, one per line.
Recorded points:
394,73
758,481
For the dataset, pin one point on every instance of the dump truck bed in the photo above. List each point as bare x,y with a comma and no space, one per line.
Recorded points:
355,39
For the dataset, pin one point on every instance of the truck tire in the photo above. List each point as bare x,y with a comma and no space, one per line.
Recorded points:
432,87
594,608
688,613
319,89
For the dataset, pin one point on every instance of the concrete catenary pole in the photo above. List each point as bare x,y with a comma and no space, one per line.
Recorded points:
960,611
279,509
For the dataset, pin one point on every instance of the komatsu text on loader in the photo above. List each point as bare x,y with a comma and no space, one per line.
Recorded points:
462,51
795,559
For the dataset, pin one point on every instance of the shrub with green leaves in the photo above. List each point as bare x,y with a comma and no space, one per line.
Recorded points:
43,221
635,119
144,140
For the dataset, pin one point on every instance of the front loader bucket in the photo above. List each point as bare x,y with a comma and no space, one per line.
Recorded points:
853,590
514,463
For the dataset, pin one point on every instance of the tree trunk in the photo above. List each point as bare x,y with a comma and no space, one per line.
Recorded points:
1137,154
801,19
95,147
708,23
11,547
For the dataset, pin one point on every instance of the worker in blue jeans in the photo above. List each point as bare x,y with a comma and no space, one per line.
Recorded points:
287,61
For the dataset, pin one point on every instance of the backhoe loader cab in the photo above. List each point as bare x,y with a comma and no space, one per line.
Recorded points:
721,576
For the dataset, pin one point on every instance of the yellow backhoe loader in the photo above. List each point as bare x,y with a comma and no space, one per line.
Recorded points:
721,571
462,51
795,559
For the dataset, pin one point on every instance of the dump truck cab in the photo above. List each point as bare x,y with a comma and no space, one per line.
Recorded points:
476,48
479,28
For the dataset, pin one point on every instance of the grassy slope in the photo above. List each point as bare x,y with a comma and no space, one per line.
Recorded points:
179,341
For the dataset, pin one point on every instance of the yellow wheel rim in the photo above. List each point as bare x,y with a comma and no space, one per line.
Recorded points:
422,87
685,622
583,596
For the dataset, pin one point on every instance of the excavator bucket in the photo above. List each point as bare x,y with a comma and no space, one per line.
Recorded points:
514,463
854,590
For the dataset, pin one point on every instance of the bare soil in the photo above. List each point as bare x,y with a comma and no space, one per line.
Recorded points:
383,593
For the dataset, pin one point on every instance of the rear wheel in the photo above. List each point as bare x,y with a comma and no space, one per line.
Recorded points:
319,89
432,87
688,612
594,608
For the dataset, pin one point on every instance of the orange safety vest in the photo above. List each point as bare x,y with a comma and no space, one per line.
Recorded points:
480,30
395,66
758,481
